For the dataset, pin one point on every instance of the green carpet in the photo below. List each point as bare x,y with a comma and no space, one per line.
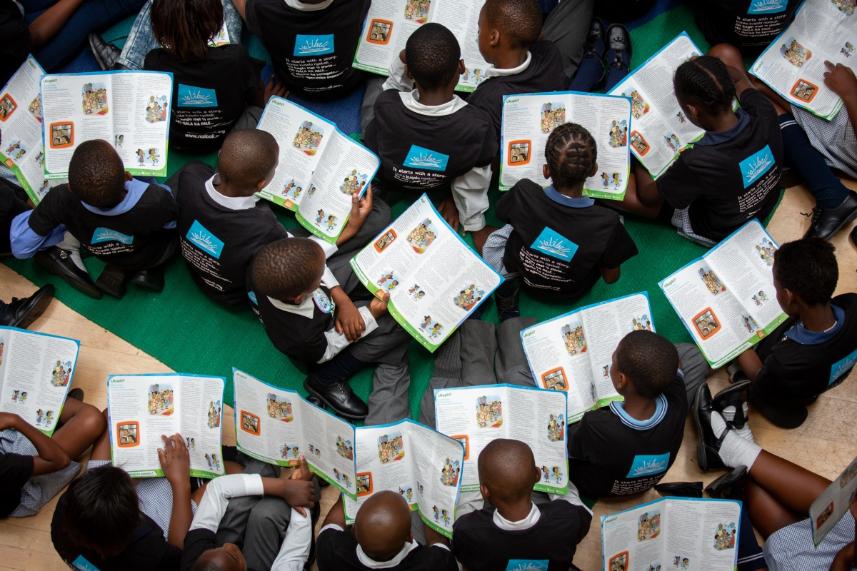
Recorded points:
187,332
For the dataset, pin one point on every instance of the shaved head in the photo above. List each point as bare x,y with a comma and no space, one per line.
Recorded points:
383,525
507,469
247,158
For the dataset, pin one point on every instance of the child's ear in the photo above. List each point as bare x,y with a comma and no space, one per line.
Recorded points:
461,67
546,171
594,170
128,176
537,475
483,489
494,37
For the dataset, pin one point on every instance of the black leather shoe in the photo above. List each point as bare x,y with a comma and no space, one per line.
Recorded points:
707,445
680,489
58,262
113,281
733,395
339,397
828,221
853,236
105,53
151,279
22,312
506,298
730,485
76,394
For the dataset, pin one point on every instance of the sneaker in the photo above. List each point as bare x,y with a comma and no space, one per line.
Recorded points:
22,312
595,40
59,262
339,397
105,53
828,221
619,40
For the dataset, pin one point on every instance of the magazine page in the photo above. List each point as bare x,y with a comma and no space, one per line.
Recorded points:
833,504
202,432
528,121
36,371
143,103
633,539
793,65
434,279
390,23
438,461
277,426
659,130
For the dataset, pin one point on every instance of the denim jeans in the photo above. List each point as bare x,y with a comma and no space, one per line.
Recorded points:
91,16
141,39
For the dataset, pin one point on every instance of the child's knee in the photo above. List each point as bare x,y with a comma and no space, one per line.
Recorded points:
728,54
91,421
267,513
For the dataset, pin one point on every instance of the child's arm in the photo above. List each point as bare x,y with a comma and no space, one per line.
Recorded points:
175,462
337,341
398,78
842,81
647,188
336,515
750,363
434,538
296,546
361,208
51,458
26,240
610,275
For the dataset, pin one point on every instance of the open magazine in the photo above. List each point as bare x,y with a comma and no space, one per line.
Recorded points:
421,464
572,353
435,281
793,65
726,298
129,109
320,168
390,23
35,375
477,415
834,503
672,533
144,407
528,121
659,130
278,426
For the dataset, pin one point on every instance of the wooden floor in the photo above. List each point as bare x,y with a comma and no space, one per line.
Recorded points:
824,444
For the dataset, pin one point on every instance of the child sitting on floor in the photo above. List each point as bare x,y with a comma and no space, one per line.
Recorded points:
515,529
556,241
127,223
627,447
429,139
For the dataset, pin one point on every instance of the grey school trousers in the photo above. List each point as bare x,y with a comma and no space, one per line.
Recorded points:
694,367
566,27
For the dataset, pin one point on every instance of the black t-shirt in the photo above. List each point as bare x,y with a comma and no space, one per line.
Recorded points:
481,546
559,250
609,456
311,50
749,24
134,240
148,550
208,95
797,373
727,179
427,152
13,201
218,243
545,73
15,471
337,551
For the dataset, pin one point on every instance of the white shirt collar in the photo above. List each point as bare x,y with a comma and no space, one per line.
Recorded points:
230,202
305,309
521,525
367,561
412,102
304,7
496,72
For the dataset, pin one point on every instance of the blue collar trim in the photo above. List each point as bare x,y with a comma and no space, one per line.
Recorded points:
661,408
570,201
800,334
713,138
134,190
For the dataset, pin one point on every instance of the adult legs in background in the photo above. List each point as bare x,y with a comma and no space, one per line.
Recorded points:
567,26
694,368
510,363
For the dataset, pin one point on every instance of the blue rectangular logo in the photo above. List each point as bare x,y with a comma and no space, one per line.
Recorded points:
199,236
83,564
192,96
649,465
839,368
102,235
757,165
758,7
528,565
310,46
553,244
426,159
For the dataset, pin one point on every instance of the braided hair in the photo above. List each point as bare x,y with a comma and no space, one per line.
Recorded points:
571,154
704,80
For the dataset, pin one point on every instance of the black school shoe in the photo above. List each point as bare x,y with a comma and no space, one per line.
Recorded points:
828,221
151,279
708,445
680,489
58,262
105,53
734,395
113,281
339,397
853,236
730,485
22,312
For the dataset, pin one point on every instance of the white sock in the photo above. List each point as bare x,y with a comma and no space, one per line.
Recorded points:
744,432
734,451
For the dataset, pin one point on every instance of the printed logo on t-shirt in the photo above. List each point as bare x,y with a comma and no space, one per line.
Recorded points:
649,465
322,301
553,244
528,565
756,165
199,236
102,235
767,7
839,368
309,46
426,159
83,564
253,299
192,96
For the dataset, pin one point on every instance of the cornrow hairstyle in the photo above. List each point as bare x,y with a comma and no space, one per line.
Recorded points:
432,55
704,80
287,268
519,20
571,153
808,268
185,27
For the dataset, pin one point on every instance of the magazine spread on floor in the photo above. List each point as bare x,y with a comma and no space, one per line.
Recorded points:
434,279
277,426
36,370
726,298
390,23
477,415
659,128
573,353
320,168
834,503
528,121
145,407
421,464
